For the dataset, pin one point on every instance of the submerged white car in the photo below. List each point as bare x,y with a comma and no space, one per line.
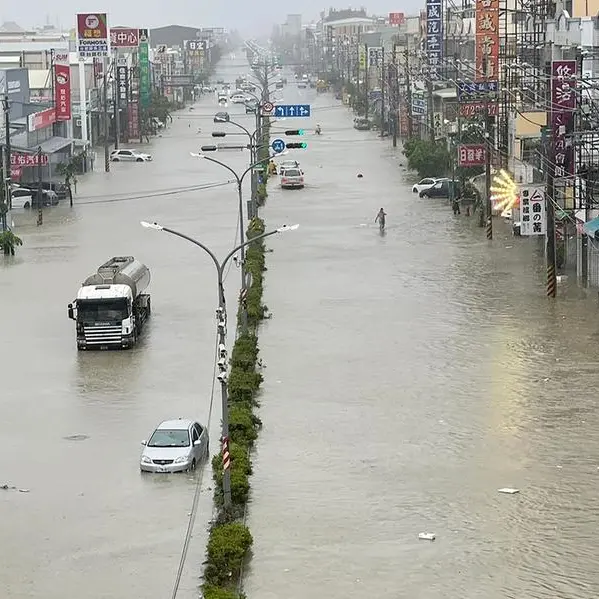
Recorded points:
129,156
175,446
424,184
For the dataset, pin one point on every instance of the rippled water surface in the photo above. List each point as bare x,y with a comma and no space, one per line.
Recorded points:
409,377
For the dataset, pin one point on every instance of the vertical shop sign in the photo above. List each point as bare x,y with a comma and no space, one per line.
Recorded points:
434,37
563,105
532,205
144,68
487,39
122,81
93,40
133,121
375,57
62,85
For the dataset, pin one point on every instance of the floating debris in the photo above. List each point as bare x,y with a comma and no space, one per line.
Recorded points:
508,491
76,437
6,487
426,536
23,490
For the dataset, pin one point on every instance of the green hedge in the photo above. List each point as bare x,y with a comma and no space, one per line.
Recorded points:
230,540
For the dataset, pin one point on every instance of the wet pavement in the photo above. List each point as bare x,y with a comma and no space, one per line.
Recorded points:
410,376
71,426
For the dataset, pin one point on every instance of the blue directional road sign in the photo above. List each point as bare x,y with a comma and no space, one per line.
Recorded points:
293,110
277,145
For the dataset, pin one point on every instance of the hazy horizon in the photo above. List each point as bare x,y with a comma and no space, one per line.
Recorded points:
247,19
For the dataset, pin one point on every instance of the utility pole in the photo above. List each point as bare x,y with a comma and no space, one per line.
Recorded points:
106,120
40,198
550,245
409,94
430,107
117,102
488,149
6,182
383,83
394,93
366,82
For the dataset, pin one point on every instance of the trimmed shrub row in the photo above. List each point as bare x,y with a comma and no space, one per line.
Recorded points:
230,540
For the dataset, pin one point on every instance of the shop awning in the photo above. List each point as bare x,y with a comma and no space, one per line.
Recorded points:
591,228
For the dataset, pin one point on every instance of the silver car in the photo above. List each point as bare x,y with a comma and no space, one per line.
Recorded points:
129,156
175,446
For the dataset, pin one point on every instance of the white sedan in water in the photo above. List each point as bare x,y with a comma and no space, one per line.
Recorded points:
129,156
175,446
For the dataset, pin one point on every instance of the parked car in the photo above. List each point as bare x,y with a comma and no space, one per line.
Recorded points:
302,85
362,124
175,446
251,107
221,117
441,189
129,156
21,197
424,184
48,197
292,178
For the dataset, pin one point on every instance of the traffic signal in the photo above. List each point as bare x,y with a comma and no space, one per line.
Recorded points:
295,132
297,146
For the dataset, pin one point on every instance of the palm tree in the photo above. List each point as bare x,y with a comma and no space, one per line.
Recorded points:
8,242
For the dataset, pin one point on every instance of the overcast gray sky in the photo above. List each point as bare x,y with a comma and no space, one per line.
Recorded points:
249,16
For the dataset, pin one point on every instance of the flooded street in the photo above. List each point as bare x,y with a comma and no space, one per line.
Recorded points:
72,422
409,377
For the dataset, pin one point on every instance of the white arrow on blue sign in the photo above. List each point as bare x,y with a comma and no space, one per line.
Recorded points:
293,110
277,145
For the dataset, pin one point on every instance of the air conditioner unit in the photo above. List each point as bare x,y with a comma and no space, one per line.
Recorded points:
78,122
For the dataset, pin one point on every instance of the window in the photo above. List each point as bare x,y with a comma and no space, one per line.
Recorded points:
194,435
102,310
169,438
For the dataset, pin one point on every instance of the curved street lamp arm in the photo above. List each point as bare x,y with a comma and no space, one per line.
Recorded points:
241,127
195,242
237,178
242,245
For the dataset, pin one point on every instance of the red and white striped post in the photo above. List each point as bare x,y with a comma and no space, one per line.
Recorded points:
226,454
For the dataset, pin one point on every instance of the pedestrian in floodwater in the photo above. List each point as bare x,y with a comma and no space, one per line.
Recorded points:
456,206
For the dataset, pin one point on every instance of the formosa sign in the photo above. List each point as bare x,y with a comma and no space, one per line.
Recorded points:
62,85
92,35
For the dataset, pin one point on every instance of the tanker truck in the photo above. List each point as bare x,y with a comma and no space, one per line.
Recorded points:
111,307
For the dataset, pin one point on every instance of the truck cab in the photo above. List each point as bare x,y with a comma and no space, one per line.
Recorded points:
110,309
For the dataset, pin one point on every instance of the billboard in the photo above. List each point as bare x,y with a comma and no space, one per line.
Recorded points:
144,68
62,85
41,120
434,36
15,84
487,39
92,35
397,18
563,107
122,82
122,37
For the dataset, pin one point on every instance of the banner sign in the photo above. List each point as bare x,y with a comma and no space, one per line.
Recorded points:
144,68
41,120
375,56
92,35
434,36
122,37
21,160
472,155
563,105
533,210
122,82
472,109
487,39
397,18
62,85
472,90
133,122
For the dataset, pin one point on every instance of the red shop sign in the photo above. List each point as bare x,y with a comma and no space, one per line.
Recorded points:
40,120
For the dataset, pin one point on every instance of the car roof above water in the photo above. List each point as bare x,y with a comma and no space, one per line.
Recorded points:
181,424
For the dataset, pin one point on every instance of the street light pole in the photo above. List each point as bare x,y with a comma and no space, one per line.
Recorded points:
221,316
